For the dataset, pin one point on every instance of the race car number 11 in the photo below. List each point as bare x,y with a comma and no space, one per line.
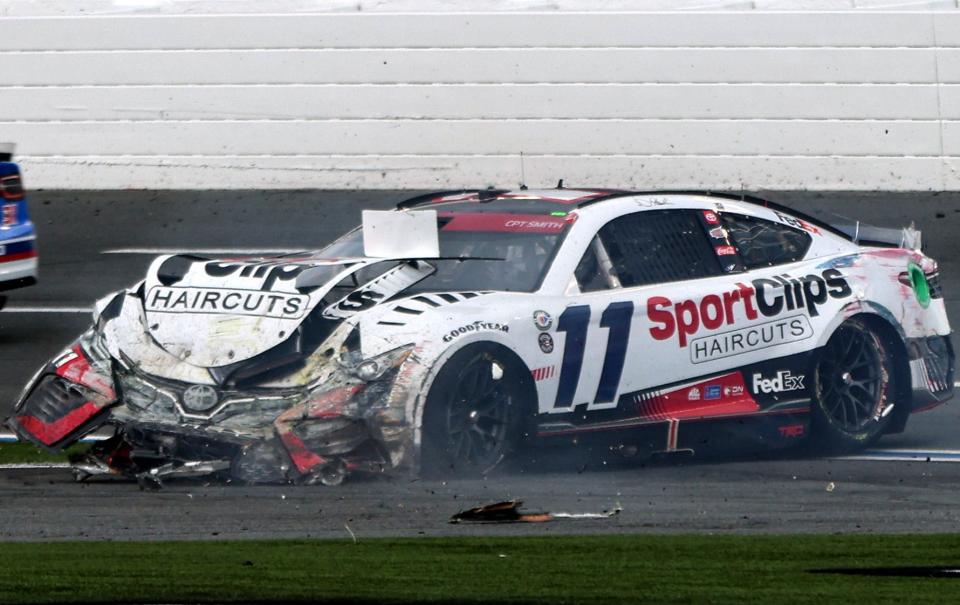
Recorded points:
574,322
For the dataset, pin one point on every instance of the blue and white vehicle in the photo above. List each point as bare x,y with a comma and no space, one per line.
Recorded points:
18,251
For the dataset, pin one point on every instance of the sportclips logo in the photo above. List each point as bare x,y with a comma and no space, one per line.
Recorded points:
767,297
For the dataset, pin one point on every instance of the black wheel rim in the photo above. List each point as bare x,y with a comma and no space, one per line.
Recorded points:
851,380
479,412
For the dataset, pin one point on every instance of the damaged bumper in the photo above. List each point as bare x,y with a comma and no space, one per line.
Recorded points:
932,363
354,417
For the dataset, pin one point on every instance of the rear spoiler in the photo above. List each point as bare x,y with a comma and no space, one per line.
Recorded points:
6,152
882,237
857,232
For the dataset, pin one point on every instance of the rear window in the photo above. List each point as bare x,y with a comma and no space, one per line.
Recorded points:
763,243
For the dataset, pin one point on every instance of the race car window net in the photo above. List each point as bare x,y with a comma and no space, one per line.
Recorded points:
648,247
763,243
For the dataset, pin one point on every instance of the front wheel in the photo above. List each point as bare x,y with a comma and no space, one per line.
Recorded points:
472,419
853,384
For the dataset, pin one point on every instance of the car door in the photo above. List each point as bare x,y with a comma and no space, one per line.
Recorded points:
639,259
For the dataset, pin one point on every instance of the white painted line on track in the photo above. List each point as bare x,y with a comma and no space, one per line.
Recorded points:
20,309
241,251
33,465
905,455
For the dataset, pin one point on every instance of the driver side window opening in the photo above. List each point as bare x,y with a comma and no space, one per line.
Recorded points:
648,247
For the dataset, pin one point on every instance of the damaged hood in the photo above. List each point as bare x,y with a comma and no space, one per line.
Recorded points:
212,312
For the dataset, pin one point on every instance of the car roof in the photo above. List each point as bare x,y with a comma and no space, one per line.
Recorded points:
548,201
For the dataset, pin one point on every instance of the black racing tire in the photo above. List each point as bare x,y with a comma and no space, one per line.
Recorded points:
853,389
473,418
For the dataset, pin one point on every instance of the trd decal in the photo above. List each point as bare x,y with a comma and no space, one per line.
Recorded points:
574,321
792,430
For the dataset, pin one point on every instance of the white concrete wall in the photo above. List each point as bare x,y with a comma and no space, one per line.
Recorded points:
812,99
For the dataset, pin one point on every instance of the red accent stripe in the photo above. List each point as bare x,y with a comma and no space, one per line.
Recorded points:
49,433
505,222
646,422
18,256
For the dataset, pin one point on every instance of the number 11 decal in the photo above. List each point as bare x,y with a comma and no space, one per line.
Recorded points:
574,322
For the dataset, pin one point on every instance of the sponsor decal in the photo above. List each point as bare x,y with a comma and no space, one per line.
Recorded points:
711,217
9,215
781,382
722,395
542,320
505,222
733,391
752,338
543,373
765,297
718,233
546,342
226,301
353,303
725,250
476,326
792,221
792,430
270,272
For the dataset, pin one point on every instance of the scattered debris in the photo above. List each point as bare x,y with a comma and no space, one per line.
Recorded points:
831,486
509,512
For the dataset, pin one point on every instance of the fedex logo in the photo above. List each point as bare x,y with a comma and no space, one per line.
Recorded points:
782,381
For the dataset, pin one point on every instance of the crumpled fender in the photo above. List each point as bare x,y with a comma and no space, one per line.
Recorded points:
66,399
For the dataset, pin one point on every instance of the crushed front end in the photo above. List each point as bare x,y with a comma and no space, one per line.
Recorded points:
312,417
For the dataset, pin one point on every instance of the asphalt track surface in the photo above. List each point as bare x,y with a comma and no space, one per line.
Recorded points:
94,242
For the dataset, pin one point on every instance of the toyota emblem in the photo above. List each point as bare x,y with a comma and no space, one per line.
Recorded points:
200,397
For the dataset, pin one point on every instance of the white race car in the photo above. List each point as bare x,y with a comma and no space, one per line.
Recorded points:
444,335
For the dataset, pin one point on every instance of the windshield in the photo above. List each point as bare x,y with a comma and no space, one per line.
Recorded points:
482,251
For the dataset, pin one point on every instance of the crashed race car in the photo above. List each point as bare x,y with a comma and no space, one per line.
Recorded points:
441,337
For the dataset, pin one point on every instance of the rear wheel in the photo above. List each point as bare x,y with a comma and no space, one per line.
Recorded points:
853,384
472,419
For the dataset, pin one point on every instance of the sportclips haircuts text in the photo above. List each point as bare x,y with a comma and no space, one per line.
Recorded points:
773,297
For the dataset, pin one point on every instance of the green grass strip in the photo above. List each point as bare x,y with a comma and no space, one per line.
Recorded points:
20,452
592,569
